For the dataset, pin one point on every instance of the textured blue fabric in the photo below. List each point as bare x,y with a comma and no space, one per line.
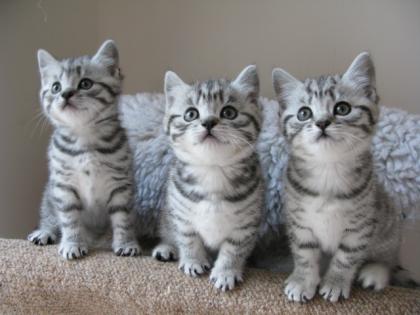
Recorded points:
396,151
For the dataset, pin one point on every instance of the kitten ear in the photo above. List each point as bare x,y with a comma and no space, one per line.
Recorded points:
172,82
107,55
283,81
45,59
361,71
248,82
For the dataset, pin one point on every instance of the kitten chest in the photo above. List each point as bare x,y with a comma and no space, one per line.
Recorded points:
214,221
327,221
94,182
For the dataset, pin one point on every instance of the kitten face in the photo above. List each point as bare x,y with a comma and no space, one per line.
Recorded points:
75,91
211,122
330,114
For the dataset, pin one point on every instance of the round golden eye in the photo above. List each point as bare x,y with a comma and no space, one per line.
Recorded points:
304,113
56,87
229,112
85,84
342,109
191,114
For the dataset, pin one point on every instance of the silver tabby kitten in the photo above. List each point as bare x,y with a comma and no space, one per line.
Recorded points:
333,201
214,193
90,177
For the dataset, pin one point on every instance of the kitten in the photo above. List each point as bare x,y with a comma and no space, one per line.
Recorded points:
214,192
333,201
90,176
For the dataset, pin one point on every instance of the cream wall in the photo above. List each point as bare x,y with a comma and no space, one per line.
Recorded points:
197,39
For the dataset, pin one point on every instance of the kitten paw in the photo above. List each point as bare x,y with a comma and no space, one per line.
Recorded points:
374,276
165,252
335,289
72,250
41,237
300,289
225,279
194,267
128,249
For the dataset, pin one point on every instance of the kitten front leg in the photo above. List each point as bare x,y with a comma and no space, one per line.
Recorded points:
193,259
69,208
301,285
343,266
228,268
124,242
48,230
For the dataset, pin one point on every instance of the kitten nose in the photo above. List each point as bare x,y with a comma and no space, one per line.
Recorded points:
323,124
67,94
209,123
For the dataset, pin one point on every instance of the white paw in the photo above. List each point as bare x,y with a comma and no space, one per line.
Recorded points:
165,252
375,276
335,290
41,237
127,249
72,250
300,289
194,267
225,279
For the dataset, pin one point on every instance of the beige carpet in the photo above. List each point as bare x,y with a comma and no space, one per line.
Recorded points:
35,280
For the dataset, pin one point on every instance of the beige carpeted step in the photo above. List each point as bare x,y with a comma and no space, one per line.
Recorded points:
35,280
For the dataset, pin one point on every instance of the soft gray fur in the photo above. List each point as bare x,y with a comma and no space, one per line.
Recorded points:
215,189
90,183
395,149
333,201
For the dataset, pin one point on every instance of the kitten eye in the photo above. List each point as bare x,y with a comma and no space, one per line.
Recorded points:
85,84
304,113
229,112
56,87
342,108
191,114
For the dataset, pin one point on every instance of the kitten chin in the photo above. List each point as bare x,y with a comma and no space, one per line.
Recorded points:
208,154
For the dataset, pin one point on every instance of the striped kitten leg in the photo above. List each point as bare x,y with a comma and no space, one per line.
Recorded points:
48,230
68,205
347,259
193,260
301,285
166,250
124,242
229,265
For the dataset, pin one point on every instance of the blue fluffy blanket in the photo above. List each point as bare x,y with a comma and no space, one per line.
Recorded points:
396,150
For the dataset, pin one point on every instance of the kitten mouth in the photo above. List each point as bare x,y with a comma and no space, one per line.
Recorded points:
209,137
69,106
323,135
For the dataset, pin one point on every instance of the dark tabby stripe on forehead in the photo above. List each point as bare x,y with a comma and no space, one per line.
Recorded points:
210,91
323,86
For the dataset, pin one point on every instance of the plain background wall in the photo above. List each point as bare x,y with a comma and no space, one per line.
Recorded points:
198,40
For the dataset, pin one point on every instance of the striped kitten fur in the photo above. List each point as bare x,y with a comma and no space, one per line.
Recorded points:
214,192
333,202
89,190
